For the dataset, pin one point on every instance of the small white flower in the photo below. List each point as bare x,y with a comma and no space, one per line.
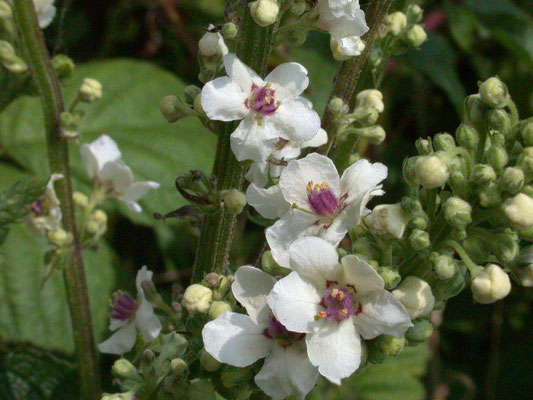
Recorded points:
212,44
335,304
46,11
45,211
525,270
103,162
129,315
343,19
416,296
323,204
241,340
269,109
490,285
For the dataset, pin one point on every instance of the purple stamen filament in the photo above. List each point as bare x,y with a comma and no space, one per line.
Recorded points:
124,306
338,303
322,200
262,100
276,331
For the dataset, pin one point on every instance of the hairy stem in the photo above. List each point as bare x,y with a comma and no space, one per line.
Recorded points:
47,84
216,237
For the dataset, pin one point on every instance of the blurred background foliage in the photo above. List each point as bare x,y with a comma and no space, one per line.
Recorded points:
141,50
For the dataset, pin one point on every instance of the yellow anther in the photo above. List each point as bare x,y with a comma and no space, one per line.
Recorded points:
340,296
322,314
324,185
278,103
335,292
343,312
268,85
309,187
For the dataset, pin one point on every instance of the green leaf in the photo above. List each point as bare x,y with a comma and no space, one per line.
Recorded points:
129,113
15,201
27,372
398,378
41,317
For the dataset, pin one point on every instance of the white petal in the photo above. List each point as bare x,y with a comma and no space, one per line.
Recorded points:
258,174
251,141
117,175
121,341
361,275
351,45
137,190
335,349
318,140
268,202
289,151
295,302
315,259
334,231
287,371
314,168
98,153
223,100
144,274
289,80
287,229
251,288
115,323
236,340
134,206
46,16
294,121
240,73
362,178
382,314
147,322
347,21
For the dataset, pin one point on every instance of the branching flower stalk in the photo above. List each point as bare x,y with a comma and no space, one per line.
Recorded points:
52,102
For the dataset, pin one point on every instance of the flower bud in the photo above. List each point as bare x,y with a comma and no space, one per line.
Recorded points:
519,211
10,60
474,110
80,199
419,332
217,308
198,109
414,14
179,367
229,30
370,98
458,213
499,120
222,289
60,237
490,285
505,246
493,93
525,275
419,223
444,142
208,362
200,389
341,53
419,239
525,162
416,35
388,219
489,196
467,136
233,376
497,157
423,146
373,134
415,295
63,66
411,206
337,106
234,201
264,12
123,369
444,266
482,175
431,171
97,223
389,345
297,7
173,109
526,131
396,22
197,298
90,90
512,180
190,94
391,276
5,10
212,44
119,396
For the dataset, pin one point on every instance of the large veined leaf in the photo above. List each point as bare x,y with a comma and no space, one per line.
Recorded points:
398,378
129,113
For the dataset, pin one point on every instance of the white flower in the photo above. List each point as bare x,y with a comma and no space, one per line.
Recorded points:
416,296
46,11
240,340
343,19
269,109
525,270
45,211
388,219
212,44
102,161
129,315
323,204
490,285
335,304
347,47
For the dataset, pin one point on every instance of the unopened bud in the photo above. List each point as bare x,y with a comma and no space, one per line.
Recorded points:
493,93
416,35
212,44
431,171
499,120
505,246
208,362
373,134
297,7
197,298
370,98
173,109
415,295
264,12
234,201
129,395
80,199
396,22
198,109
444,266
467,136
458,213
179,367
212,279
390,276
497,157
229,30
490,285
444,142
5,10
519,211
512,180
525,162
10,60
60,237
97,223
217,308
526,131
337,106
63,66
200,389
123,369
389,345
411,206
474,110
222,289
419,239
482,175
350,47
419,332
414,14
388,219
190,94
90,90
419,223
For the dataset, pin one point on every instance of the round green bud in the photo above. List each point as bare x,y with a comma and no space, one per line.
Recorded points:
482,175
474,110
5,10
208,362
526,131
200,389
419,223
217,308
525,161
189,93
60,237
172,108
497,157
197,298
373,134
396,22
444,142
80,199
229,30
414,14
391,276
419,239
458,213
198,109
9,59
512,180
419,332
444,266
234,201
123,369
337,106
264,12
297,7
411,206
179,367
505,246
63,66
499,120
493,93
416,35
297,37
467,136
431,172
489,196
234,377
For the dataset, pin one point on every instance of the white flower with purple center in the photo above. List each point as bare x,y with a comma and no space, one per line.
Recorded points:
270,109
129,315
241,340
103,162
335,304
322,203
45,212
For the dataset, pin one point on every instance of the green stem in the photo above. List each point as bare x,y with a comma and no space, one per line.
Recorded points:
470,264
216,237
52,102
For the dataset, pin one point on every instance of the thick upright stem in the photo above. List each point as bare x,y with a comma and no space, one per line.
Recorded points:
216,237
52,102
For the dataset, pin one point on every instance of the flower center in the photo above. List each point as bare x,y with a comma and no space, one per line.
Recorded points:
322,199
276,331
40,207
262,100
339,303
123,307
